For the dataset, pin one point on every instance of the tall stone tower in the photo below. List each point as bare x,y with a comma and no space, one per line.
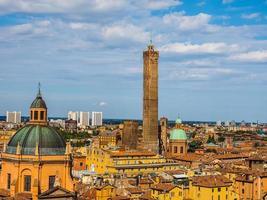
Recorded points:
150,101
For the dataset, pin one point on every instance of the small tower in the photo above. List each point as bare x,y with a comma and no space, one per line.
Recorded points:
38,109
178,140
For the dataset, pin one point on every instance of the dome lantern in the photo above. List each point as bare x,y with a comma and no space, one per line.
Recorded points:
38,109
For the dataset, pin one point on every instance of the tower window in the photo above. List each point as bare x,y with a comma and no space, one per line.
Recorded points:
8,181
175,149
27,183
181,149
42,115
51,181
31,115
35,115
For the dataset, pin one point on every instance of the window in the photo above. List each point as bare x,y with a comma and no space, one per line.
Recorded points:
181,149
8,181
42,115
212,190
219,189
27,183
35,115
81,164
51,181
175,149
31,116
219,198
243,191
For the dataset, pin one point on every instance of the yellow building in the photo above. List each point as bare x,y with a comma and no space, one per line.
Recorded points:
127,162
251,186
104,192
36,158
168,191
107,139
212,187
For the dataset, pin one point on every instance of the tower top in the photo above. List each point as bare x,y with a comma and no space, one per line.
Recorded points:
150,46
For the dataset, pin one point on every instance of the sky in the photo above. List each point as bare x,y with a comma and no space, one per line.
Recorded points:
87,54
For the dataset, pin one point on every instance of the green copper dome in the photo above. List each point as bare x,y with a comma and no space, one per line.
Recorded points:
178,134
49,141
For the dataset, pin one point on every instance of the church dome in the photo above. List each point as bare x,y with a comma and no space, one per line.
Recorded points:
34,138
178,134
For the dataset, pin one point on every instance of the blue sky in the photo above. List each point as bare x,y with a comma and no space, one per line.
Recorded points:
88,56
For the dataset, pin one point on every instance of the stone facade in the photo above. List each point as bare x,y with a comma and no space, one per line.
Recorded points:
163,135
150,101
130,134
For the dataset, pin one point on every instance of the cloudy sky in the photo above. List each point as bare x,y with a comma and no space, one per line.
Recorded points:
87,54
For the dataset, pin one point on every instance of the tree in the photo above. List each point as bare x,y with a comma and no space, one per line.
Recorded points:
221,138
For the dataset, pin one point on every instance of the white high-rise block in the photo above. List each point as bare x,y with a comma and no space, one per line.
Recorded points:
97,118
13,117
84,118
73,115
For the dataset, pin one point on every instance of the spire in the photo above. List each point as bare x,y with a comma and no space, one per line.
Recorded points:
39,90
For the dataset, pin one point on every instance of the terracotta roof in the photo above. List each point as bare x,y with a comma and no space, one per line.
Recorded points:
131,153
163,187
230,156
211,181
135,190
4,193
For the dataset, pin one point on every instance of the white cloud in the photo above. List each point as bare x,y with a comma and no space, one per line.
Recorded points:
125,31
159,4
202,74
102,103
82,6
82,26
183,22
252,56
250,16
188,48
227,1
59,6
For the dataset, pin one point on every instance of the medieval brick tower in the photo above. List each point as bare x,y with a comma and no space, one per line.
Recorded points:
150,101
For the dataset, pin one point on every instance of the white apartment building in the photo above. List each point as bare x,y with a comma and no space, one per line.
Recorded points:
13,117
97,118
73,115
84,118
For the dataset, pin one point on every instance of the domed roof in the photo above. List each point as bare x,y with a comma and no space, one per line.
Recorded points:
178,134
49,141
38,102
